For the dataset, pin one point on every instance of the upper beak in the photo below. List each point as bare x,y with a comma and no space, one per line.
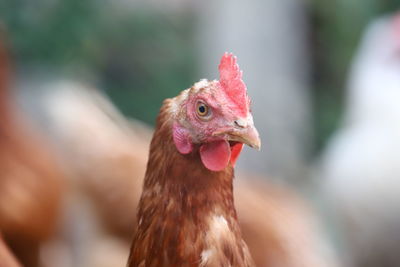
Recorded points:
244,133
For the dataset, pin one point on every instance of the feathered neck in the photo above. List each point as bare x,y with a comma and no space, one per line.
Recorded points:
186,212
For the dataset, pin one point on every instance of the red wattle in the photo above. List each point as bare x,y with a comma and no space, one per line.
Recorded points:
215,155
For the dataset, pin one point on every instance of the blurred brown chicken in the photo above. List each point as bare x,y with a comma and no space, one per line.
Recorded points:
30,184
277,224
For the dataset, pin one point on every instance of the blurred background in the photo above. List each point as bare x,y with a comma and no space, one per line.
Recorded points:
88,77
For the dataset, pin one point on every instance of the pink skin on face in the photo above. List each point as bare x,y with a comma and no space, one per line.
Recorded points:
215,151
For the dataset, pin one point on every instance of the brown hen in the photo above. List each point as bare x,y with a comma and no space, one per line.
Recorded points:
30,181
186,212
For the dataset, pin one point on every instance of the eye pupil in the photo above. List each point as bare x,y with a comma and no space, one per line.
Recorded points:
202,109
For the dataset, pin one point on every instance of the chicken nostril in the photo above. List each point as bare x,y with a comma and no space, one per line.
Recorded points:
240,123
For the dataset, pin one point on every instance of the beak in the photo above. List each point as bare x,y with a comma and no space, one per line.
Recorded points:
248,136
244,133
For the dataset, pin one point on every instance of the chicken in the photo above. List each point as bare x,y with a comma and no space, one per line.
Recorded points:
30,181
361,165
186,211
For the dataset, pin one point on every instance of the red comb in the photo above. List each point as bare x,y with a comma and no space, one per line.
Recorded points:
232,83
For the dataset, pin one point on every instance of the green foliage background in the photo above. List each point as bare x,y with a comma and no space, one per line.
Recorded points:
140,56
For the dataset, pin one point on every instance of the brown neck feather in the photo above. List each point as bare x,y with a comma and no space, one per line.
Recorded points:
186,212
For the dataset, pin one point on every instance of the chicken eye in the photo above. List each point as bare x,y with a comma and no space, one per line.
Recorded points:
202,109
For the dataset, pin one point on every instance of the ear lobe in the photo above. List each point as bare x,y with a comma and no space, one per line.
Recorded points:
181,139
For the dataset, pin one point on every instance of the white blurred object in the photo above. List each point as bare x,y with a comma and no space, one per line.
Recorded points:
361,166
